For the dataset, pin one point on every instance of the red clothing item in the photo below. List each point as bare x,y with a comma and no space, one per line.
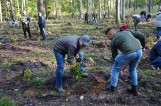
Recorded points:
125,26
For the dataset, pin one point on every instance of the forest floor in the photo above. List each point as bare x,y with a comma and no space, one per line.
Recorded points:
27,69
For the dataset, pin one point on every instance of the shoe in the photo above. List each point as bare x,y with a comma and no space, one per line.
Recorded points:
153,67
110,90
61,90
133,90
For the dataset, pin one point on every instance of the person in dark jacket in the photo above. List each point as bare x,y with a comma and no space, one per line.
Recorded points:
70,45
41,23
148,17
155,55
25,20
131,52
86,17
143,15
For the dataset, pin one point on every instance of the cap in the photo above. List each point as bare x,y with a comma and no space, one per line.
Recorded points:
85,40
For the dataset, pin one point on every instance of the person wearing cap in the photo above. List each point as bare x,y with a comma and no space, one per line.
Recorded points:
137,19
70,46
131,52
123,27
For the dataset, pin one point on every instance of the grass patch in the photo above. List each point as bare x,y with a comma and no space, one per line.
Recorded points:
7,102
147,73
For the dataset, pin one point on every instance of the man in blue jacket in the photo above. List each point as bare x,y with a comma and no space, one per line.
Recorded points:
155,55
41,23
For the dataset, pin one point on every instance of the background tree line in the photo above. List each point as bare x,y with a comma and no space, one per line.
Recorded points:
74,8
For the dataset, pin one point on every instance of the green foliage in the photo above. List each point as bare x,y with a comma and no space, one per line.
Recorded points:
45,73
39,93
7,102
5,63
28,74
75,70
53,60
13,38
147,73
38,81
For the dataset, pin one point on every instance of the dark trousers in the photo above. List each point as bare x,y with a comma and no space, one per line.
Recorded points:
28,30
42,32
157,62
86,20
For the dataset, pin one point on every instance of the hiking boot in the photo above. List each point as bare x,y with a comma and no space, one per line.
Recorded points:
110,90
61,90
133,90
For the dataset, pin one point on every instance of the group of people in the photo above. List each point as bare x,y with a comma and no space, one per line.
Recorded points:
25,22
94,17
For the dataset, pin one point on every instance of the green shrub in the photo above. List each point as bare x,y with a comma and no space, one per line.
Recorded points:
75,70
7,102
28,74
38,81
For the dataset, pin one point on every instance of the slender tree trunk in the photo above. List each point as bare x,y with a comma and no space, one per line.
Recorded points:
40,6
99,9
17,2
134,6
159,8
117,11
12,15
23,5
104,5
149,6
6,7
123,10
46,9
80,11
0,12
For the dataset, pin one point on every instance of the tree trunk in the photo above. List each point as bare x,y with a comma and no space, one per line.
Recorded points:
6,7
46,9
18,9
123,10
104,5
149,6
99,9
0,12
40,6
134,6
80,11
117,11
12,15
159,8
23,6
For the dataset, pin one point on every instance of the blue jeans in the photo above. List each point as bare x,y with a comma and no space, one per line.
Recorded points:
60,67
157,62
121,60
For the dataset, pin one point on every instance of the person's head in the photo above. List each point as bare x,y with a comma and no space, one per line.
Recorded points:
24,13
40,14
110,33
84,41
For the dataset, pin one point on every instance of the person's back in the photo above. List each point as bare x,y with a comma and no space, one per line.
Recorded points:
64,44
155,51
86,15
125,42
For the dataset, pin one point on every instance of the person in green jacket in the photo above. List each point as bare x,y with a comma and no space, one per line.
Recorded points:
131,52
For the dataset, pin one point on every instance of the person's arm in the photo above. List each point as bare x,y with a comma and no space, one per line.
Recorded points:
71,54
113,50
